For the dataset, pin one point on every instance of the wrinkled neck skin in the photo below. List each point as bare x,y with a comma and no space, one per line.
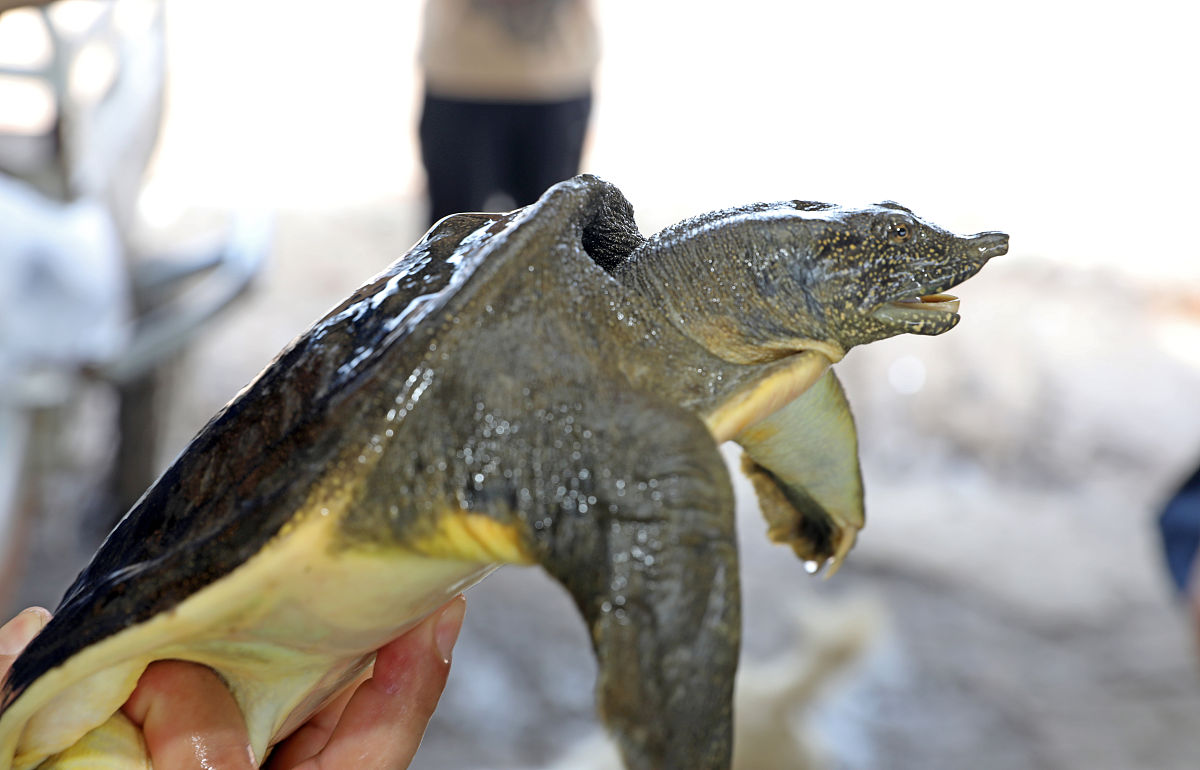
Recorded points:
635,343
691,302
737,282
654,312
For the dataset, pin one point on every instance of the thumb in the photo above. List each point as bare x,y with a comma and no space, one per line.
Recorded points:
16,634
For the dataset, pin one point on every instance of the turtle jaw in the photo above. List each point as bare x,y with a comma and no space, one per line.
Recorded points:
927,314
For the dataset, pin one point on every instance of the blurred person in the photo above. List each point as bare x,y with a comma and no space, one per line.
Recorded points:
1179,524
508,94
187,715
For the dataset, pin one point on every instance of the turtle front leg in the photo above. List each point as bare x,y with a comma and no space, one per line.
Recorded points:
652,564
803,461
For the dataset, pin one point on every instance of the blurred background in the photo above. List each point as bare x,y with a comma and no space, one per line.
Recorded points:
1007,605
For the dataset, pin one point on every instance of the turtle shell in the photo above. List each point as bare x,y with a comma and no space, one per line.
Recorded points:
253,466
246,472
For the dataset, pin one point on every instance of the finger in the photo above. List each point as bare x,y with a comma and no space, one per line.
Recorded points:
311,737
189,718
382,723
17,633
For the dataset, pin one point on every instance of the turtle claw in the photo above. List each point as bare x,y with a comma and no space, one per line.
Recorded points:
845,539
818,537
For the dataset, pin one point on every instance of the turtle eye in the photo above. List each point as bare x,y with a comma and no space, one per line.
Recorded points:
899,232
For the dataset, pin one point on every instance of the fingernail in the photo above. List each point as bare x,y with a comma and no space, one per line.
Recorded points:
445,633
16,633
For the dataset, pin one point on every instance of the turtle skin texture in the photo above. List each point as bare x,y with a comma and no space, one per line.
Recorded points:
545,387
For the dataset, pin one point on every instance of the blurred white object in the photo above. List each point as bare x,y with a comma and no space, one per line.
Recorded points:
81,95
81,91
64,307
64,299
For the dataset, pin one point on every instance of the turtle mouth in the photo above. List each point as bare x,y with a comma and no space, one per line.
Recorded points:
928,310
921,314
943,303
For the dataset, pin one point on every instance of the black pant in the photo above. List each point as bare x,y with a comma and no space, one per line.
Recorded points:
474,150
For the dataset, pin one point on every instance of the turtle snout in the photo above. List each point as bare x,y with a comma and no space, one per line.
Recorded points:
992,244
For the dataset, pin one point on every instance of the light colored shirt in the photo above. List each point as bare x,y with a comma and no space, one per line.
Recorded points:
509,50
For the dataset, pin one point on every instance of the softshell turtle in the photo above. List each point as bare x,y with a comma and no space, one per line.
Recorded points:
540,387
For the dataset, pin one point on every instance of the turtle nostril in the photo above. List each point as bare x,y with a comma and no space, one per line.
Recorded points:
991,244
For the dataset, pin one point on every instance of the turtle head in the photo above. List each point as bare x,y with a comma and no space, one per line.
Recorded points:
760,282
886,272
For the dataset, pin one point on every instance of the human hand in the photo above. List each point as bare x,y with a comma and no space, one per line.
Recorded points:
191,722
16,634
